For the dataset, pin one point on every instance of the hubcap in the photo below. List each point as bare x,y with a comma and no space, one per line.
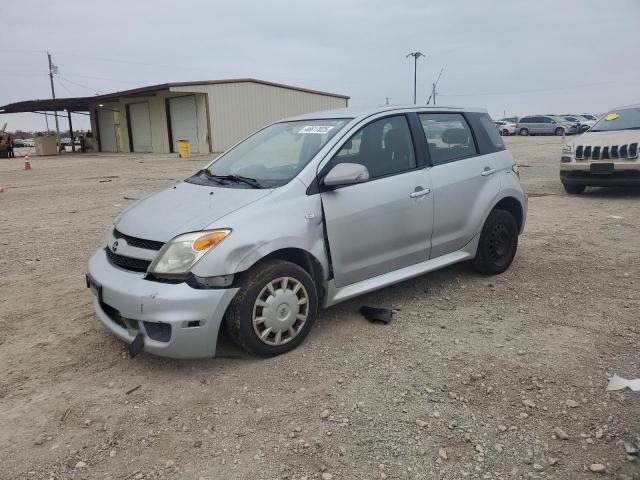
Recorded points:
500,244
280,311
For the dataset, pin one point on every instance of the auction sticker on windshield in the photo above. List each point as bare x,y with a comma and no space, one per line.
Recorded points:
321,130
612,116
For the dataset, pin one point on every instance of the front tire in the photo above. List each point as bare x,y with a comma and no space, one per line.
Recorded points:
274,309
573,189
559,131
498,243
505,133
524,132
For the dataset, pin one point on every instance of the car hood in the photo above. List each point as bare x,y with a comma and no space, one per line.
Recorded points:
183,208
620,137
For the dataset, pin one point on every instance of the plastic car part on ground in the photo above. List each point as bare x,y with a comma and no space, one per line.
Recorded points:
376,315
619,383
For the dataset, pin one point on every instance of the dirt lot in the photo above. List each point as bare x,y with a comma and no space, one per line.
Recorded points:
469,380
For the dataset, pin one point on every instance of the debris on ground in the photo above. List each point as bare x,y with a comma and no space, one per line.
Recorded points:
619,383
376,315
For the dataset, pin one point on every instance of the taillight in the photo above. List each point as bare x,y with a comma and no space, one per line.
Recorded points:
516,170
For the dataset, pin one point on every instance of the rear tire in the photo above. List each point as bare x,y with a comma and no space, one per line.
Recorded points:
573,189
559,131
505,133
524,132
274,309
498,243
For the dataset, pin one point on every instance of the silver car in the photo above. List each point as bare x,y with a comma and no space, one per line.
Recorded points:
305,213
545,125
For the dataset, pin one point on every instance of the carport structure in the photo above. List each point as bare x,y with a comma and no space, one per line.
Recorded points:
213,115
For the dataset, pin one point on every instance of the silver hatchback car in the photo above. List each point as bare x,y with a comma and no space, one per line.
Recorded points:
303,214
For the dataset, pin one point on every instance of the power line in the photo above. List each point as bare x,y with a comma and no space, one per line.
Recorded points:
79,84
523,92
133,62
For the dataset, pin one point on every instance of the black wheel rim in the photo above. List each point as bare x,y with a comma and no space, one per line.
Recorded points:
500,244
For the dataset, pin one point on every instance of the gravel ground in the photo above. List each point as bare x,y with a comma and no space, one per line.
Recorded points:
476,377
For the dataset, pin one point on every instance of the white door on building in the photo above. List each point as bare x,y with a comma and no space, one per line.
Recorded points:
140,127
107,129
184,121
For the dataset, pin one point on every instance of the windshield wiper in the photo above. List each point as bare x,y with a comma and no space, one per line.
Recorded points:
237,178
208,174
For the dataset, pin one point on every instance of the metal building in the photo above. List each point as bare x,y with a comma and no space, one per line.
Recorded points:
213,115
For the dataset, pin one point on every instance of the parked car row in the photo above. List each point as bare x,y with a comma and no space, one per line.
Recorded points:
546,124
23,142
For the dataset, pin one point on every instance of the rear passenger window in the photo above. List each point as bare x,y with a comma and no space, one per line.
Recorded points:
448,135
492,132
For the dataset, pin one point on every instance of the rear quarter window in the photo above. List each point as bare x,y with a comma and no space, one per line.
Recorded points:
491,132
487,136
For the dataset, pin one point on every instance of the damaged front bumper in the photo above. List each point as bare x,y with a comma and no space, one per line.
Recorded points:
175,320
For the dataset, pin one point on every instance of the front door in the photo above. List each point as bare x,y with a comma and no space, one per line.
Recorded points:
383,224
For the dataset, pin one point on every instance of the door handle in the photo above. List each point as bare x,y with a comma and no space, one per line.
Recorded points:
420,193
488,171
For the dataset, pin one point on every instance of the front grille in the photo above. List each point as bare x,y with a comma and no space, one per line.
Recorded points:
128,263
612,152
113,314
138,242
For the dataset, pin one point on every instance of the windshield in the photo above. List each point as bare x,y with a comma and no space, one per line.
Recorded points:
274,155
627,119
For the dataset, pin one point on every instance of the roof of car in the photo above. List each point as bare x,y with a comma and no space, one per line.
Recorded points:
363,112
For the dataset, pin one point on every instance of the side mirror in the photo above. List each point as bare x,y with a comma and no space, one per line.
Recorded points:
346,174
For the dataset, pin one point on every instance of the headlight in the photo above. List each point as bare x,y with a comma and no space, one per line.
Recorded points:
179,255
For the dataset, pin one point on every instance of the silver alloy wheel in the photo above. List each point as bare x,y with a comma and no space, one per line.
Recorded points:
280,311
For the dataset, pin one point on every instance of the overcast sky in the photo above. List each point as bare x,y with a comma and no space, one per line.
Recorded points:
535,56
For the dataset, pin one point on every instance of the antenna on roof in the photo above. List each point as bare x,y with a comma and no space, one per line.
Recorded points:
433,89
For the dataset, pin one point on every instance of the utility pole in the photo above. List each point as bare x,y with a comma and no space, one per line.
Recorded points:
53,95
416,56
433,88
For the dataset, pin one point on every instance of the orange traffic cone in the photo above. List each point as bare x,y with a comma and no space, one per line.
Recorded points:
27,163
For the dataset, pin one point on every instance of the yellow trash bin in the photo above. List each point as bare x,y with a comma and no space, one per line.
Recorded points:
184,148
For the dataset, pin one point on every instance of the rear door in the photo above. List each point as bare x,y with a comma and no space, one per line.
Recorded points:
464,175
383,224
184,121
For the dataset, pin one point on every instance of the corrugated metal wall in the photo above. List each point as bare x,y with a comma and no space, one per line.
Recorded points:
158,117
239,109
235,111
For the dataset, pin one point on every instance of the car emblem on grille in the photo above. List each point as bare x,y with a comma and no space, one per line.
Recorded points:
114,246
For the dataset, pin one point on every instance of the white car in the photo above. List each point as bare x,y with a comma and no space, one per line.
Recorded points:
505,128
28,142
606,155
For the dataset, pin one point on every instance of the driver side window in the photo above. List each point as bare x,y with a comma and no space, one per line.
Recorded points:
384,146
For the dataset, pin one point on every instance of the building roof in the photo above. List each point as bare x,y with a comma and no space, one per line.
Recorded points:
84,103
